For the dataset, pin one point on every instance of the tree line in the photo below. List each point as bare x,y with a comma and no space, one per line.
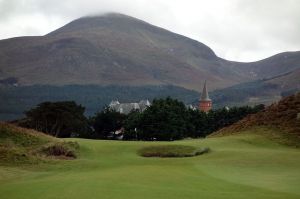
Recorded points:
166,119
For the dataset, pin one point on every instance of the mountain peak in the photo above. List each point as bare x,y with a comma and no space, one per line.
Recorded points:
107,20
110,15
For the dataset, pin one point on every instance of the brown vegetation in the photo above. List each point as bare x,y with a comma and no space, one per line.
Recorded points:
62,149
281,115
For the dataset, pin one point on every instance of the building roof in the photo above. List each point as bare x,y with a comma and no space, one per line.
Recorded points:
144,104
126,108
204,95
114,103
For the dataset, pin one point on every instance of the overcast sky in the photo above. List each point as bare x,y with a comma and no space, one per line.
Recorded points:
241,30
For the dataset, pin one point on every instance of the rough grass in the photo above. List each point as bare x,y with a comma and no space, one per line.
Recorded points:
281,116
62,149
171,151
19,146
13,154
22,137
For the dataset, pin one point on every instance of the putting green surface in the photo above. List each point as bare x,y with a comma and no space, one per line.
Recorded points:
242,166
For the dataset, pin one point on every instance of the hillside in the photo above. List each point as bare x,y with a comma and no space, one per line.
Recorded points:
15,100
265,91
283,116
122,50
287,82
273,66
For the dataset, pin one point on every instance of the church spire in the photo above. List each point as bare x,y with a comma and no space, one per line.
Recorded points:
205,103
204,95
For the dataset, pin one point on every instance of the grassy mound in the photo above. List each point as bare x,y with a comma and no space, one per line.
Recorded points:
23,146
171,151
280,117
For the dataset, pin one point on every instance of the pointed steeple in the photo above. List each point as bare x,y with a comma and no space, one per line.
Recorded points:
204,95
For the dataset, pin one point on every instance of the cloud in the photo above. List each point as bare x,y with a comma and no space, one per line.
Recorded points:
243,30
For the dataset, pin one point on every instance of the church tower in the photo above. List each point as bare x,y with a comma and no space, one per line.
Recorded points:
205,103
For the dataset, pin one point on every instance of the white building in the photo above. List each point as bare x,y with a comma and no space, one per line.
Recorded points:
126,108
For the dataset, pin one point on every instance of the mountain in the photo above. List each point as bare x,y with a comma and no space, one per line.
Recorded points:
94,60
122,50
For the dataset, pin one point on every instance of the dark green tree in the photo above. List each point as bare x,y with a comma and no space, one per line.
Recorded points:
132,126
169,119
59,119
199,122
165,119
106,122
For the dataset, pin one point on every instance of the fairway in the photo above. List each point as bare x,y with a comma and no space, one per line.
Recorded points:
240,166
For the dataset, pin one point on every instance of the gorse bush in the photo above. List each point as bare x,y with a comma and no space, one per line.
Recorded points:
66,149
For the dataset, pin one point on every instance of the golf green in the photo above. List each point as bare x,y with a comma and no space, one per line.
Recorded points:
238,166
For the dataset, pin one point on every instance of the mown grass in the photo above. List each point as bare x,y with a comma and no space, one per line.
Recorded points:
171,151
246,165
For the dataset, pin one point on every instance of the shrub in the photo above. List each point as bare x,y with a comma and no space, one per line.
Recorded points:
67,149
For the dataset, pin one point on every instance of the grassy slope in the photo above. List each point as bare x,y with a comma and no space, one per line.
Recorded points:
20,146
281,117
239,166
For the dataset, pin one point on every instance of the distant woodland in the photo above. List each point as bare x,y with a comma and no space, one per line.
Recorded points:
15,100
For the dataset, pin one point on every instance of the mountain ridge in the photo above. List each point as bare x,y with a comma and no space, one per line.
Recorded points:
116,49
